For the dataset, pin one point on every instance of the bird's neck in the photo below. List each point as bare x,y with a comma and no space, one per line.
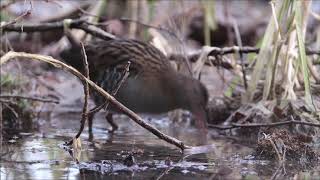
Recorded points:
181,89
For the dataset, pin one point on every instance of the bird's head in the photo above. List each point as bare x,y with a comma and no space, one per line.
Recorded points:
194,97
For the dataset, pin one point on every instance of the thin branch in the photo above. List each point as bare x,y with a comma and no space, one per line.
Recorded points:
24,56
40,27
87,13
7,101
11,109
239,42
6,4
171,166
114,92
95,31
84,116
273,144
165,30
150,26
29,98
17,19
127,20
257,125
73,24
248,49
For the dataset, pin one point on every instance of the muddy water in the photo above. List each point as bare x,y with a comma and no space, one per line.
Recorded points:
41,155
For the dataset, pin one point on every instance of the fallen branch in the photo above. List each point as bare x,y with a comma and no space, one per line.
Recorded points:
11,55
72,23
257,125
29,98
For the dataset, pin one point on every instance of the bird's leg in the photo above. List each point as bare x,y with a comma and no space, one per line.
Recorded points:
124,75
109,119
90,120
91,114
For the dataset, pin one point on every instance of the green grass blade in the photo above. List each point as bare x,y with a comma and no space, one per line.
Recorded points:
302,52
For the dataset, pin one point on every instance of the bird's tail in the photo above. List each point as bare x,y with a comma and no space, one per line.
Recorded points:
72,55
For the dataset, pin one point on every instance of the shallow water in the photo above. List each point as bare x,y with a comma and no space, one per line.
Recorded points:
41,154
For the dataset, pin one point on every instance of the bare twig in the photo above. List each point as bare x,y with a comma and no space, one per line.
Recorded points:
128,20
40,27
158,28
29,98
114,92
239,42
95,31
10,55
257,125
279,170
6,101
11,109
6,4
248,49
73,23
88,13
17,19
273,144
171,166
151,26
72,11
84,116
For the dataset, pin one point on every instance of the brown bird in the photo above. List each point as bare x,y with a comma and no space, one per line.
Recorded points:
153,85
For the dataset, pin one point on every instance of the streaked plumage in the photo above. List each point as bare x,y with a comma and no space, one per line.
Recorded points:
153,85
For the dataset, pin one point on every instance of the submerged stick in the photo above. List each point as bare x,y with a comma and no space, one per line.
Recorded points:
11,55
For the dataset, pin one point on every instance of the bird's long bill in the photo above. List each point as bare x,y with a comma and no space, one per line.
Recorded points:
201,123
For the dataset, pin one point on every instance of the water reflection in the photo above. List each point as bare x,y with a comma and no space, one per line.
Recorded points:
41,155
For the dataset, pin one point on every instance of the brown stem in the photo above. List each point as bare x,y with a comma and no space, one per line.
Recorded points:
73,23
239,42
84,116
29,98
